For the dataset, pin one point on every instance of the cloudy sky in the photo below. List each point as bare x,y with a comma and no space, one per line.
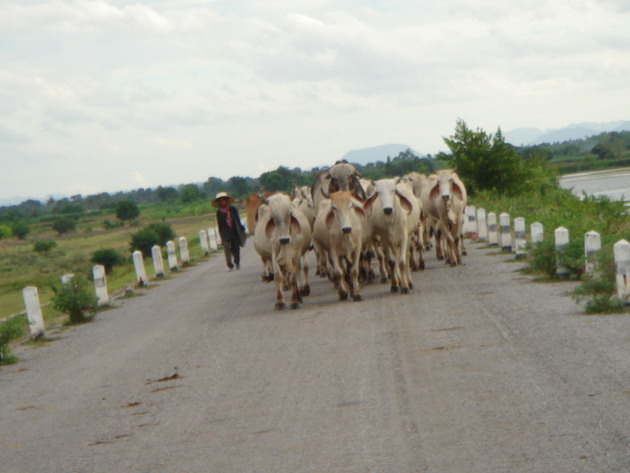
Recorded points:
114,95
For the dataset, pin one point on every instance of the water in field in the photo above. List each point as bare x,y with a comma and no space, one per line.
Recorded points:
613,183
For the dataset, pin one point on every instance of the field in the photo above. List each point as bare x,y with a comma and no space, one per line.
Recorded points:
21,266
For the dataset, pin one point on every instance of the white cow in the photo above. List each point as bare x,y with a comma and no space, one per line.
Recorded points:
338,233
394,212
289,235
445,199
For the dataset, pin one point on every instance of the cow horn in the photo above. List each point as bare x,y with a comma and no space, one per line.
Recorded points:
263,199
324,193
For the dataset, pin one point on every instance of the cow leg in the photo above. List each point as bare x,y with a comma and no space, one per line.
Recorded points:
340,275
305,288
439,252
354,276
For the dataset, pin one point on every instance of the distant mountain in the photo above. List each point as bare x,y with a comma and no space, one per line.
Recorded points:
578,131
375,153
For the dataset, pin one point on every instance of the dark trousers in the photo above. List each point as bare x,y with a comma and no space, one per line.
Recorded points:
232,252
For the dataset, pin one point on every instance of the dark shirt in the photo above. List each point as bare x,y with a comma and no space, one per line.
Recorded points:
226,232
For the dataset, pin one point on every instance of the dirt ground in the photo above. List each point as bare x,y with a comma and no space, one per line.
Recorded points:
479,369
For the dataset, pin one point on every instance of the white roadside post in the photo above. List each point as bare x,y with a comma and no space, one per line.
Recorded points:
203,242
172,256
592,244
212,237
492,229
244,224
622,260
536,232
33,311
66,278
100,284
482,225
506,232
218,235
183,250
158,262
561,236
520,241
138,264
470,222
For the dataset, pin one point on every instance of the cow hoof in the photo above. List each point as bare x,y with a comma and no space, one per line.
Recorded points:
464,253
280,305
422,267
404,290
384,280
440,258
453,264
410,285
394,289
357,298
343,296
295,305
306,291
285,287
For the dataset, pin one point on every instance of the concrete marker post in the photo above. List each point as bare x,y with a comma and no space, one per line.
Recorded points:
33,312
183,250
492,229
592,244
506,232
482,225
138,264
561,238
66,278
171,255
158,262
217,233
100,284
536,232
212,237
621,251
520,240
470,222
203,242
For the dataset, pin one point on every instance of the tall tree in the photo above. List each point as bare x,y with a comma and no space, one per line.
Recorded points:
485,161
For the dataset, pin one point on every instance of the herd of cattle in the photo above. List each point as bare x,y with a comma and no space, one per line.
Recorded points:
349,221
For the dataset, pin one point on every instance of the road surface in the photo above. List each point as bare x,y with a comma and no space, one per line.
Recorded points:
478,370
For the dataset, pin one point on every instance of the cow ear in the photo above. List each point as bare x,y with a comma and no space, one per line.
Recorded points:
330,218
358,209
367,205
295,223
457,192
405,203
269,228
435,191
359,193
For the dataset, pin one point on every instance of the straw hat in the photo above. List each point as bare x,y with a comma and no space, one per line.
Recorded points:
222,195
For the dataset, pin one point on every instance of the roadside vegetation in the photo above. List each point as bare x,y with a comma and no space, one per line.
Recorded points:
502,179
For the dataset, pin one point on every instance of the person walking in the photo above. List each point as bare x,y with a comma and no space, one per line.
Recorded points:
230,228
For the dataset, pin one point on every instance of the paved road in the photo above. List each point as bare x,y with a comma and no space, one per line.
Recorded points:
478,370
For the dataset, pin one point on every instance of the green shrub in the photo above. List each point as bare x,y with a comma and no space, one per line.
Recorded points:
44,246
75,298
10,330
20,230
64,225
108,257
572,257
127,210
598,287
5,231
542,259
153,234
